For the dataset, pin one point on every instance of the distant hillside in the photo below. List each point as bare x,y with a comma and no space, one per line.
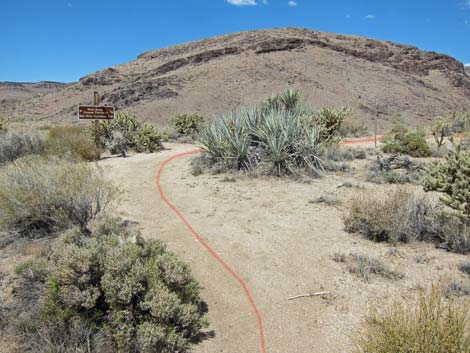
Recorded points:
226,72
467,69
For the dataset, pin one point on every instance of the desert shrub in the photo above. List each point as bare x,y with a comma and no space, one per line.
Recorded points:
42,195
14,145
394,170
187,124
329,121
465,267
72,142
460,122
364,266
353,128
412,144
338,153
401,216
452,178
3,125
129,294
290,100
430,323
126,132
34,269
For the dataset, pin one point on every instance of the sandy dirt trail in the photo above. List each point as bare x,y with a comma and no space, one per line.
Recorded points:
277,240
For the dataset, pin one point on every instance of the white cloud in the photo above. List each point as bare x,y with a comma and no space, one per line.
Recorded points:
370,17
292,3
466,65
243,2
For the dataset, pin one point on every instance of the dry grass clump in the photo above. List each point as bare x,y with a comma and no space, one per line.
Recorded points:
364,266
14,145
402,216
71,142
430,323
111,291
41,195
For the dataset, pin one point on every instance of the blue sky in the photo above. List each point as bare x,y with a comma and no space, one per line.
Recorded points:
63,40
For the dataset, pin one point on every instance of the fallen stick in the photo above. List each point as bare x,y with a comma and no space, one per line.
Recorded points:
319,294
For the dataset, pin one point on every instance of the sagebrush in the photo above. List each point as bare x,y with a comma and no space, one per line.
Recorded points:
14,145
113,291
42,195
403,216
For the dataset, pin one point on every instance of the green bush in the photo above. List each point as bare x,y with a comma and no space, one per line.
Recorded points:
187,124
412,144
126,132
33,269
401,216
432,323
330,121
43,195
14,145
72,142
453,179
132,295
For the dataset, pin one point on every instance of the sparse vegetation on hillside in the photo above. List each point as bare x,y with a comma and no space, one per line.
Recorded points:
394,170
126,132
41,195
281,137
14,145
111,291
3,125
401,216
430,323
353,127
71,142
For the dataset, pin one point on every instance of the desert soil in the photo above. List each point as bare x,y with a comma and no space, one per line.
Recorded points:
280,242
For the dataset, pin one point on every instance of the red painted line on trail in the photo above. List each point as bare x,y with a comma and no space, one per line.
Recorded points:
208,248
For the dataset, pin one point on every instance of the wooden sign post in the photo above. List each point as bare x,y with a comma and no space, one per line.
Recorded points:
96,112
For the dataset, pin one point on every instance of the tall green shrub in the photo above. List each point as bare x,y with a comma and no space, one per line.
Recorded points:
73,142
14,145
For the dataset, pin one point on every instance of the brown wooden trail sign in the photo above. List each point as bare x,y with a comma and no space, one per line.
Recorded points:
95,112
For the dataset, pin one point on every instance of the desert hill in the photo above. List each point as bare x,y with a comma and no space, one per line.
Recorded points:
226,72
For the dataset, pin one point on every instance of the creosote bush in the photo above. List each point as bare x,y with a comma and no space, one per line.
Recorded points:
430,323
409,143
126,132
72,142
14,145
401,216
187,124
41,195
128,294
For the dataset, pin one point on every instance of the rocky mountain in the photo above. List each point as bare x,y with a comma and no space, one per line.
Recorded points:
226,72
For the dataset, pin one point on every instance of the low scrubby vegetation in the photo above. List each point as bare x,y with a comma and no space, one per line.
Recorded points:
71,142
352,127
14,145
409,143
429,323
126,133
187,124
402,216
394,170
364,266
41,195
109,291
281,137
